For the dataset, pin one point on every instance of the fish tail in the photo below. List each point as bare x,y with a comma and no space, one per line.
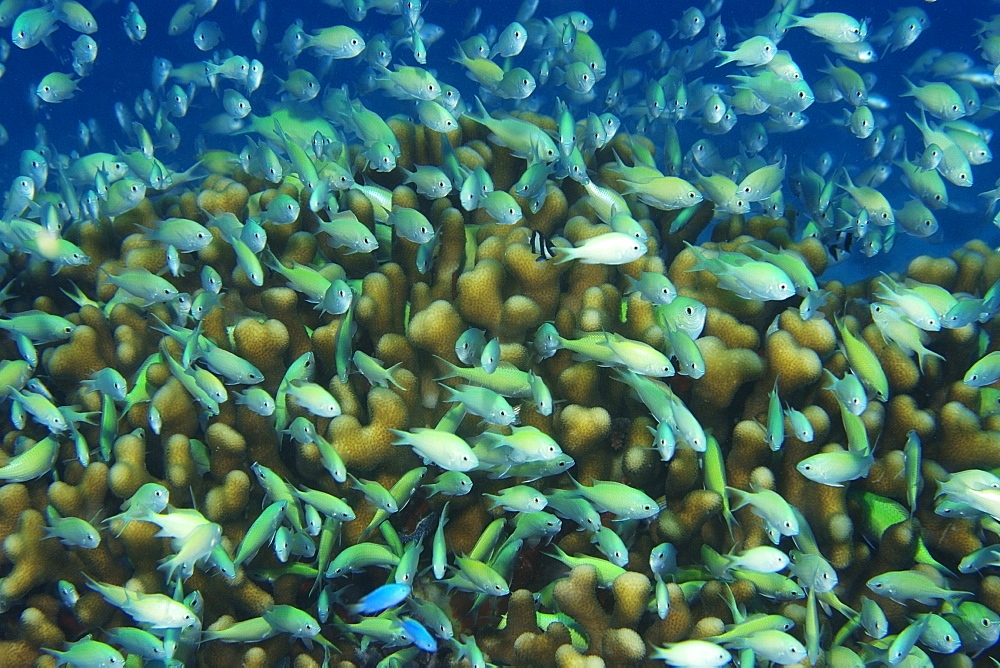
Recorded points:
453,371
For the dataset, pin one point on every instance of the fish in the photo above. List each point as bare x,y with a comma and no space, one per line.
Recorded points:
903,586
621,500
692,653
87,651
381,598
541,246
447,450
757,50
609,248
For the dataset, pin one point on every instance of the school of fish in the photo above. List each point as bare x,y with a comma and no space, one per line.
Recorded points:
648,139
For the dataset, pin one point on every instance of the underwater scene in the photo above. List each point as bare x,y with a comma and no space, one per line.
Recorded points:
548,333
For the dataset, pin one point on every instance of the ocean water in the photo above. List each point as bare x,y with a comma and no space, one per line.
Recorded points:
122,73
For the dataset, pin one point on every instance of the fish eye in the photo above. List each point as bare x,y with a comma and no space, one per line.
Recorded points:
354,42
801,94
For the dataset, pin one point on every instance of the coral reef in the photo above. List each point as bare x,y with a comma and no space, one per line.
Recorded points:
296,494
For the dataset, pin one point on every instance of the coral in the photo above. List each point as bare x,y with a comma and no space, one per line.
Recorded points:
143,548
364,448
435,329
281,304
80,357
567,656
678,623
539,649
632,592
708,626
13,501
580,384
732,332
179,467
381,307
451,257
219,194
228,501
796,365
726,370
576,596
128,473
901,416
263,343
227,448
39,630
177,409
971,262
507,644
582,431
86,497
640,460
963,442
748,451
551,215
623,647
816,334
937,270
679,521
34,560
956,539
479,294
